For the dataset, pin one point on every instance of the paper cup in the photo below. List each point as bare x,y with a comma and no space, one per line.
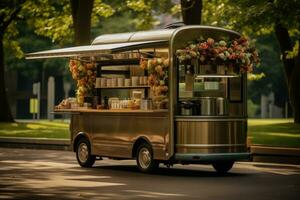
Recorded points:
103,82
120,82
114,82
135,80
127,82
108,82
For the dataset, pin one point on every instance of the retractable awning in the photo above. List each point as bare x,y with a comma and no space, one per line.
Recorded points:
95,50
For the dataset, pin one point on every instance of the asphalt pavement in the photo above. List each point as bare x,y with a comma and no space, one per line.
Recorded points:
49,174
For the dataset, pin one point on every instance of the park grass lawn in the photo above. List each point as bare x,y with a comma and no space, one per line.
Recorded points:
38,129
274,132
267,132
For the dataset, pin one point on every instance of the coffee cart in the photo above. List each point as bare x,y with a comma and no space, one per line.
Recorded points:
200,118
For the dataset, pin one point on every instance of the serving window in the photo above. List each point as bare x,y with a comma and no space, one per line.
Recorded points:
206,90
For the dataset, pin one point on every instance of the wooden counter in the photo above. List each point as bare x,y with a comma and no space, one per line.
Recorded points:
86,110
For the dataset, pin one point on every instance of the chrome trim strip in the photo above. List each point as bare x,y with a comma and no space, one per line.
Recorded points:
211,157
93,50
209,145
209,119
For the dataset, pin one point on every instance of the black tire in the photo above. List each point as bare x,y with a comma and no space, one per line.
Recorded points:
83,153
222,167
144,158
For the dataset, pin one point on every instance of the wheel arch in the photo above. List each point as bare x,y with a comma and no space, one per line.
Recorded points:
137,143
79,136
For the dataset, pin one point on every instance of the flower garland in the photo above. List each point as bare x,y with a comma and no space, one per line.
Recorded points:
85,76
158,74
236,53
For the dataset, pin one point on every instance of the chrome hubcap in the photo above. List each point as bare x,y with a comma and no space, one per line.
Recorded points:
83,152
144,157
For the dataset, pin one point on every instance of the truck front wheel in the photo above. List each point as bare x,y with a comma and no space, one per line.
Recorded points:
83,153
144,159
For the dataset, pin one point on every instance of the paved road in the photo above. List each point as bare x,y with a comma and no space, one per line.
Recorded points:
45,174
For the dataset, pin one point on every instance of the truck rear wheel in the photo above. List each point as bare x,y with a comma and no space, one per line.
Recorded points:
83,153
144,158
222,167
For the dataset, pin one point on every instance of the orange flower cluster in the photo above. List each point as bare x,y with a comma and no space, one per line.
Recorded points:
85,76
158,74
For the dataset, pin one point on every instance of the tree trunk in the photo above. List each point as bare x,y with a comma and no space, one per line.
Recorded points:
5,112
291,69
191,11
294,92
285,43
81,14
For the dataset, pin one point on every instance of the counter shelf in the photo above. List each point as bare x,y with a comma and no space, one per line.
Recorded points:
91,110
125,87
115,63
216,76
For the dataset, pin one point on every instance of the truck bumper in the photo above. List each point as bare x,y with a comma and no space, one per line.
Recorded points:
196,157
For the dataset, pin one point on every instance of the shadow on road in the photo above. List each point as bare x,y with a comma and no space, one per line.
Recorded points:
163,171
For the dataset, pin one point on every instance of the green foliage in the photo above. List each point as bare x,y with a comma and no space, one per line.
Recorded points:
252,17
112,24
292,54
50,18
146,11
100,10
252,108
255,77
272,67
30,42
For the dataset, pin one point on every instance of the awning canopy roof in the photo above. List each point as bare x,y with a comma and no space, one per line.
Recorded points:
95,50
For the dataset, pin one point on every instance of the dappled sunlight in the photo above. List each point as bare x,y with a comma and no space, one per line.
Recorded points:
35,126
6,132
150,194
262,122
274,132
14,124
60,124
281,169
50,179
44,174
283,135
37,129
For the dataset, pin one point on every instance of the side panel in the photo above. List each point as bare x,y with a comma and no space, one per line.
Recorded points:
114,134
78,125
203,137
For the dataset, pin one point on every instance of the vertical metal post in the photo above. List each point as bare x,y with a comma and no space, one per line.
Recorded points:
50,97
38,86
36,90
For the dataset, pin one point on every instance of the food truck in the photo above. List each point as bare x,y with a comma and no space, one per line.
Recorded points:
169,96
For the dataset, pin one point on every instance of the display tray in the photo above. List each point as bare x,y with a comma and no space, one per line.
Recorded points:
86,110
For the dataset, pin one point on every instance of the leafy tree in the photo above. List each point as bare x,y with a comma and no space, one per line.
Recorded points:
282,17
145,12
9,11
52,19
67,19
